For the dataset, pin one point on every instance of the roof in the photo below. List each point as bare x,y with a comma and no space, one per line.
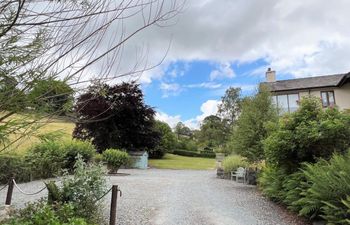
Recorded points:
336,80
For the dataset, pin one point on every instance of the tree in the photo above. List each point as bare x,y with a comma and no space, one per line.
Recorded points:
70,39
213,132
51,96
182,130
115,117
230,106
308,134
167,140
251,128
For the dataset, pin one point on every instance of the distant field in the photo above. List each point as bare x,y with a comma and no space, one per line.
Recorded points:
171,161
47,126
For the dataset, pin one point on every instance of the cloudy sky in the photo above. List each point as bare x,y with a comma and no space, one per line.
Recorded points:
215,44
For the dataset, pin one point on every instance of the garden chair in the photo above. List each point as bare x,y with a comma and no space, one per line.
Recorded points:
239,173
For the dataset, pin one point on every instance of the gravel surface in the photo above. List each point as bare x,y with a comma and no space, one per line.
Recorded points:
182,197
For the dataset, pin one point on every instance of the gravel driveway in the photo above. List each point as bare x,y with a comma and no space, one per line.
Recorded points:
183,197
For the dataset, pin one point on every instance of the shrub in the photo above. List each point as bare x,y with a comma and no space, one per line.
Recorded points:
308,134
47,159
115,158
82,190
231,163
194,154
271,183
72,148
40,213
13,166
329,190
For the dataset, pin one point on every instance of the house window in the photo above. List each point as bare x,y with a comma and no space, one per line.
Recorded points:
327,98
286,103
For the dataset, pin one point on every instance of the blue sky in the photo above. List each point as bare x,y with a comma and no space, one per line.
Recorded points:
186,86
216,44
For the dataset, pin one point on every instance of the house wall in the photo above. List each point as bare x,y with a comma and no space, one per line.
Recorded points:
342,95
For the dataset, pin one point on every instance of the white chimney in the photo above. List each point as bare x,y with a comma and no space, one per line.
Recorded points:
270,75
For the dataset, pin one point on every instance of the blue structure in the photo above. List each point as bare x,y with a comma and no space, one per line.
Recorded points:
139,159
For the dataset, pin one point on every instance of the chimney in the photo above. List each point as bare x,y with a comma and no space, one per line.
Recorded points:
270,75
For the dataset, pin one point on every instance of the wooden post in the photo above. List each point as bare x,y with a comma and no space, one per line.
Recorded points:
9,192
113,215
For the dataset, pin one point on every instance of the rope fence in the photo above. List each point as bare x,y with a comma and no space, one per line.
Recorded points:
3,187
26,193
114,189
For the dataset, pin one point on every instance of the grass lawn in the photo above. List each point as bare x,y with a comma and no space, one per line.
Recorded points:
171,161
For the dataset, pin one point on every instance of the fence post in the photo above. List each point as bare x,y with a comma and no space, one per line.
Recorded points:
9,192
113,215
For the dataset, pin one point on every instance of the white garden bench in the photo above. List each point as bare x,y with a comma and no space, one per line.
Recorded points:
239,173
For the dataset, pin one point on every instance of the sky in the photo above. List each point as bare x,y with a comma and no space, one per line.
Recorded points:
214,44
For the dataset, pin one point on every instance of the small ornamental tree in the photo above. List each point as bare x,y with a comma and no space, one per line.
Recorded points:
308,134
250,129
116,117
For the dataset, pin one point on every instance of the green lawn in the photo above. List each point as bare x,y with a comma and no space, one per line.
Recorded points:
171,161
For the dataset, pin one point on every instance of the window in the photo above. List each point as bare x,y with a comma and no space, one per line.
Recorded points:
286,103
327,98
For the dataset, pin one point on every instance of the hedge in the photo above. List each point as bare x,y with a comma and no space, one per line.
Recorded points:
194,154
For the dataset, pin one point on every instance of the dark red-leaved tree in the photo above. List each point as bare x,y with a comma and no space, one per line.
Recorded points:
115,117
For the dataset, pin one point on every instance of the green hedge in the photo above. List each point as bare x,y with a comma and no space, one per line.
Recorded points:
44,160
194,154
13,166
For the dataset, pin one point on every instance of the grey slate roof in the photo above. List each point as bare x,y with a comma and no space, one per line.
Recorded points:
309,82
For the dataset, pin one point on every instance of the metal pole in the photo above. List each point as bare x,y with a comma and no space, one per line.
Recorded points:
113,215
9,192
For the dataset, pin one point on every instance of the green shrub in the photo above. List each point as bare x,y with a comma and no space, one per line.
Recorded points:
82,191
115,158
308,134
13,166
329,190
271,183
40,213
231,163
74,147
194,154
47,159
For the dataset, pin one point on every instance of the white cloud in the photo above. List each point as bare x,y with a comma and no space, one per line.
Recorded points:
210,107
170,89
209,85
224,70
291,36
171,120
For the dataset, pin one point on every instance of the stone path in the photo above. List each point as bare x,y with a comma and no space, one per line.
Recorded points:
183,197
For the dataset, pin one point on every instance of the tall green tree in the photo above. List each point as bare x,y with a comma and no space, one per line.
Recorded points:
51,96
251,127
230,106
182,130
213,132
116,117
167,140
